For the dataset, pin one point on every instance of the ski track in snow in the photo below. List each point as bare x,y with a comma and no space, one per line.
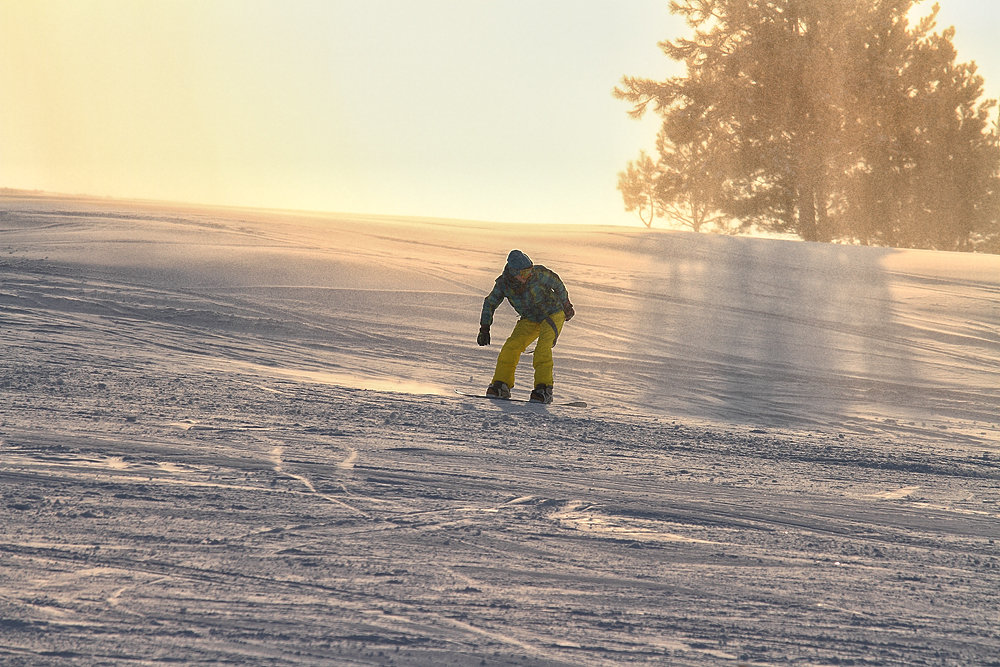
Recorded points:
233,437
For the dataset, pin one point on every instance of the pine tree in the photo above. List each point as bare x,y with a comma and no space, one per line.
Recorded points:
830,119
638,187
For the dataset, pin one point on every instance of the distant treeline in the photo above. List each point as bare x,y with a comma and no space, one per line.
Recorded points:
835,120
14,192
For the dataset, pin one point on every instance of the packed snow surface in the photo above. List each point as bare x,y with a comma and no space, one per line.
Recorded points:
232,436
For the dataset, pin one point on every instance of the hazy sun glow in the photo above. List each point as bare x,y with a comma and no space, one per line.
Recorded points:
496,110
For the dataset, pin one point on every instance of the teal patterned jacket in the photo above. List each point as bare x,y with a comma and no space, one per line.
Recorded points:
542,295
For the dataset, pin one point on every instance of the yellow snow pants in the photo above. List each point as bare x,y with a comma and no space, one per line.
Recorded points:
524,332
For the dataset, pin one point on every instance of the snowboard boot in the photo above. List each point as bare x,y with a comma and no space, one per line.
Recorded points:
498,389
542,393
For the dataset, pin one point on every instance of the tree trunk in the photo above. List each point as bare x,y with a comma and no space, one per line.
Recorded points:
807,212
652,213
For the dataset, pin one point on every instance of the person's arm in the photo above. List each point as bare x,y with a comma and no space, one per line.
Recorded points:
490,304
552,280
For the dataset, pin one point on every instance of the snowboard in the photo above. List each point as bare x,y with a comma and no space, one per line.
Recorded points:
569,404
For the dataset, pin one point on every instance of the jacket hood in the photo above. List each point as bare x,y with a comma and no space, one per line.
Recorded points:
517,261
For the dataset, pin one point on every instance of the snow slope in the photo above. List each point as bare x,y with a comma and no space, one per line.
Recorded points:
232,436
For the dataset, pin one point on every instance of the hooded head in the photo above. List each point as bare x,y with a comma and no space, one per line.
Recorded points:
517,261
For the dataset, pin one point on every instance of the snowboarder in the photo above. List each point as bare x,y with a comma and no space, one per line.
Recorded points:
540,298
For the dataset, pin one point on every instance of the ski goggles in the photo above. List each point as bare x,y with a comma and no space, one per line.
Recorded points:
524,274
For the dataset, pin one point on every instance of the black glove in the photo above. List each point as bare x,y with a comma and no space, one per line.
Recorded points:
484,336
568,311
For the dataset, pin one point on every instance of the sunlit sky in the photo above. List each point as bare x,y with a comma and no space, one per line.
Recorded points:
495,110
